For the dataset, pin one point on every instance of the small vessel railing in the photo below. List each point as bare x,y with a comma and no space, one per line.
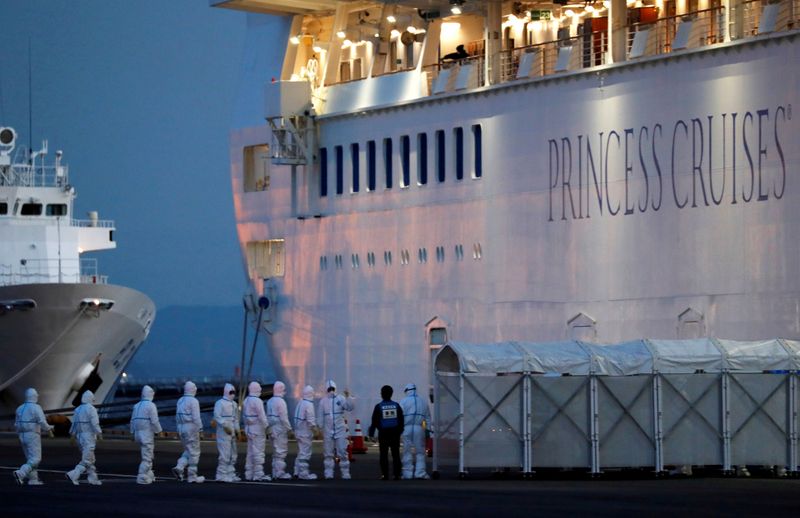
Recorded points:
21,173
92,223
42,271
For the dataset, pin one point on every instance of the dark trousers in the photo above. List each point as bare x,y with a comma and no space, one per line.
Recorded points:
387,440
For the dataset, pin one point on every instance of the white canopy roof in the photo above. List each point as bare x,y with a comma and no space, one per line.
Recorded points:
628,358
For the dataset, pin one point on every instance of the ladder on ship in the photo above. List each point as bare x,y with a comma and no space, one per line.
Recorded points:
293,139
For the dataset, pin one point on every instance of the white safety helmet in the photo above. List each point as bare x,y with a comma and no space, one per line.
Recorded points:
31,396
279,389
254,389
189,388
148,392
410,387
87,398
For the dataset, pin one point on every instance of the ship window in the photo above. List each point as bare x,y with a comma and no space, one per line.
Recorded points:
387,161
256,168
440,159
323,262
371,165
266,259
3,208
339,169
31,209
323,171
387,258
422,158
356,163
56,209
477,136
405,159
458,152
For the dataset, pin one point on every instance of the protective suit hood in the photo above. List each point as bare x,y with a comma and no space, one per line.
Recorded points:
229,392
308,392
330,384
31,396
148,392
189,388
87,397
254,389
410,388
279,389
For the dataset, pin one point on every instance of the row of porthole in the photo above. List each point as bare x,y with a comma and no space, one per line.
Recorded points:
405,257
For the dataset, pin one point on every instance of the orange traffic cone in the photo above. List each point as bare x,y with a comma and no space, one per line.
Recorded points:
358,439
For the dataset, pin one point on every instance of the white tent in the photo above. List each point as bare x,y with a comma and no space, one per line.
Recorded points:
640,403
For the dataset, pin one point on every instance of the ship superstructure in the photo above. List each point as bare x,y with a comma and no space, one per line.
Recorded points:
601,171
63,328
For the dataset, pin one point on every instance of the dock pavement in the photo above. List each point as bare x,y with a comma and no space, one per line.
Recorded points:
483,494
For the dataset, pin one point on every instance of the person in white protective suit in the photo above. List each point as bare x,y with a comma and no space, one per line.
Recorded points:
86,430
255,426
144,426
304,425
279,428
226,415
415,412
30,423
187,417
334,432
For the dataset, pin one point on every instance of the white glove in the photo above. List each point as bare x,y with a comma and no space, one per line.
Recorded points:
228,429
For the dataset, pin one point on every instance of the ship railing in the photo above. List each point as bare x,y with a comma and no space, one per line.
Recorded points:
27,175
461,74
43,271
767,16
672,33
89,272
551,57
92,223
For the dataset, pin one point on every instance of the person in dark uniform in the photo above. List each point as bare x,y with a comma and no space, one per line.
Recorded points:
388,419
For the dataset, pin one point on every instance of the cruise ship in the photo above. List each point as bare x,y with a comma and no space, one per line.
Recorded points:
422,171
63,328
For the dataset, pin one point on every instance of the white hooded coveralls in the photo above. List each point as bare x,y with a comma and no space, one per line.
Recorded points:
85,428
144,426
415,411
255,426
226,415
279,426
304,424
187,417
334,431
29,424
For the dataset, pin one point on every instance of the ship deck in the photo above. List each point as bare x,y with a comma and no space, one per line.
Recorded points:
117,461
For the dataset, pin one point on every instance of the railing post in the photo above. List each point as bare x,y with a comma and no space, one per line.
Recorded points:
617,31
493,31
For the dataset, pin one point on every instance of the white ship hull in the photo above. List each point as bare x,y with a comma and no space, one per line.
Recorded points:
57,345
652,232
